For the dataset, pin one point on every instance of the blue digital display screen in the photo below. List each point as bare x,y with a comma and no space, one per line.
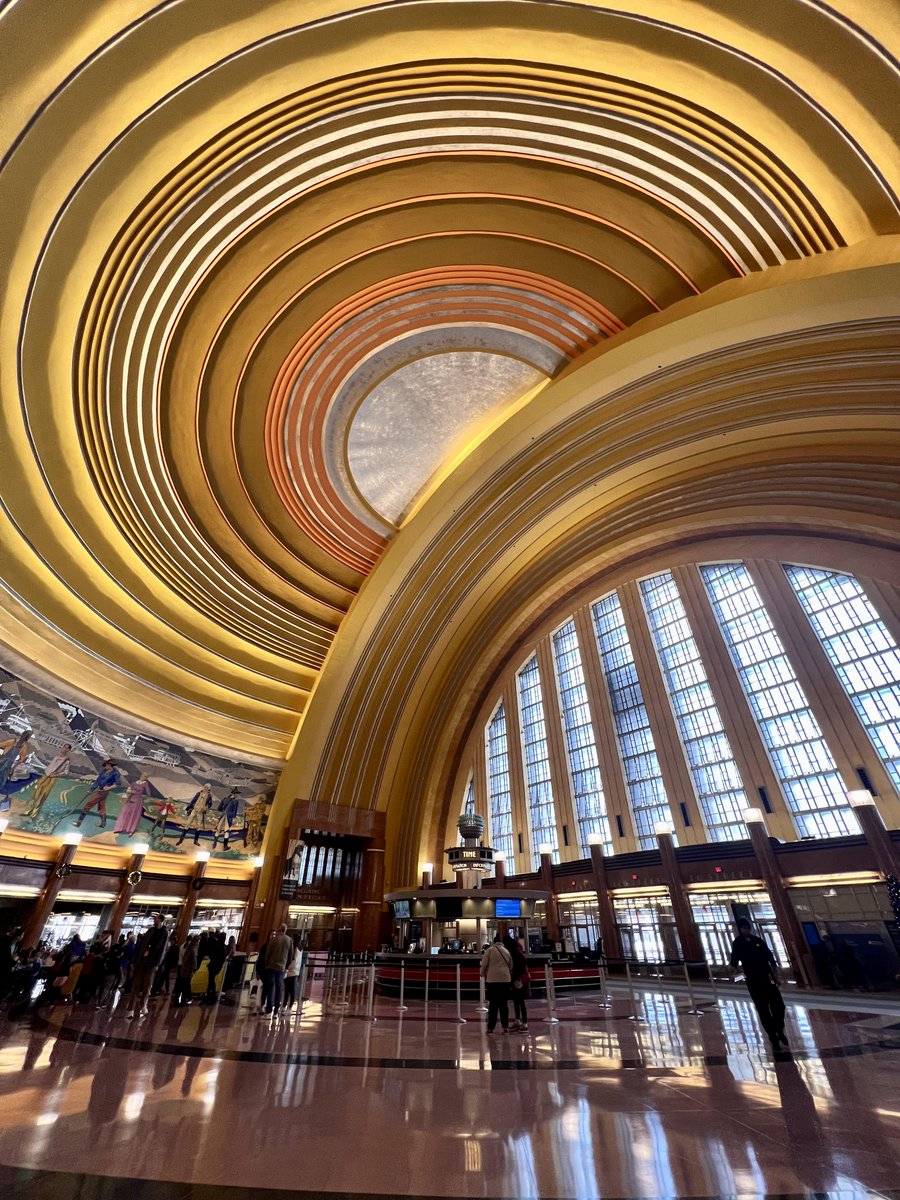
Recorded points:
401,910
507,908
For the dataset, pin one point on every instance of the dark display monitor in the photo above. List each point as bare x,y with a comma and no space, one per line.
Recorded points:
401,910
507,908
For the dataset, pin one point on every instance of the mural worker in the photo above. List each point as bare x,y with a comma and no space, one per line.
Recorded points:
195,814
133,809
229,808
13,752
58,767
109,778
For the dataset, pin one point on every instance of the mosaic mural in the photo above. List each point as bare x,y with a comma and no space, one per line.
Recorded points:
63,768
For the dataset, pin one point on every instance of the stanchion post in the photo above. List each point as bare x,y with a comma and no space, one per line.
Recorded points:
634,1016
302,983
427,982
604,1001
551,1017
460,1019
401,1007
712,982
481,1007
370,1000
693,1010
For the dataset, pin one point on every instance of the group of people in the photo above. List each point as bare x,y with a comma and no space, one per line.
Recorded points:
504,969
137,965
277,969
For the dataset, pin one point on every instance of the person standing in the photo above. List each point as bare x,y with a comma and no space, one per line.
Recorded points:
187,967
292,974
496,968
521,985
151,948
110,777
57,767
215,948
279,952
757,961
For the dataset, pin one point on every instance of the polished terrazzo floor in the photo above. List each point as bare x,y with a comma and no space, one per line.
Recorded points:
202,1103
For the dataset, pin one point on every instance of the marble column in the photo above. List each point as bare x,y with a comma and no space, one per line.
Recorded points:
553,930
367,927
126,891
499,872
608,929
243,941
884,851
43,905
691,945
786,918
189,907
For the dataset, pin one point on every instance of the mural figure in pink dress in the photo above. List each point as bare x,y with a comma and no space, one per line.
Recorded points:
133,809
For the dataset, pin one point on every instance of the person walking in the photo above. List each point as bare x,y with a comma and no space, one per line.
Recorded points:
151,949
496,968
279,952
187,967
521,985
757,961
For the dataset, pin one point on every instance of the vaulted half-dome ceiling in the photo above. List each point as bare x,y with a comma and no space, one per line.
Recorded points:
274,269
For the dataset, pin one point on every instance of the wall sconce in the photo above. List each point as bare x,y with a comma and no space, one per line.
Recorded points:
140,848
752,816
258,861
595,839
545,849
500,856
201,856
71,838
663,827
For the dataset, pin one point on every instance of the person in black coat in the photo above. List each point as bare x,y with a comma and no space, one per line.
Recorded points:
216,950
761,973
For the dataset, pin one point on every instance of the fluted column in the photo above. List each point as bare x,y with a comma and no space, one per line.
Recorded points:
43,905
499,872
607,912
126,891
691,946
189,907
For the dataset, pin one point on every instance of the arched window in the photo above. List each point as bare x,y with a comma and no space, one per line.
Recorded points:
499,790
812,786
865,657
536,755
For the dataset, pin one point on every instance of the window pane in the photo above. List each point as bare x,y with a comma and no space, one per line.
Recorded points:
861,650
809,778
640,764
499,790
581,746
536,759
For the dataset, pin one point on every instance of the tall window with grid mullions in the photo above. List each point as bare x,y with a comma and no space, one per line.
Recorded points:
865,657
581,746
499,790
809,778
717,781
640,763
536,760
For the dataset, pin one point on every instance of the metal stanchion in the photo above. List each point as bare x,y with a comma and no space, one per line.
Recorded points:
460,1019
693,1010
427,981
302,984
551,1017
634,1016
481,1006
712,983
401,1007
370,999
604,1001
